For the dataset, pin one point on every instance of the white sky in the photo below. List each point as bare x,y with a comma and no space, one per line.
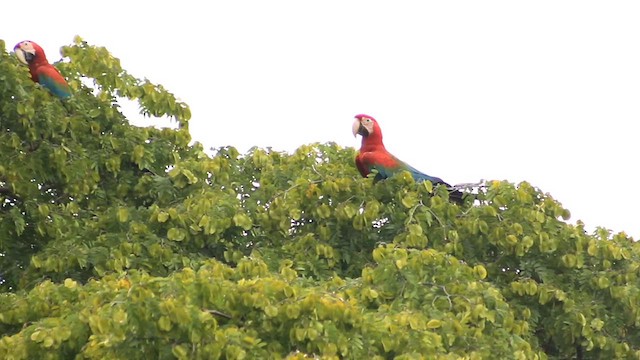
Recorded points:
544,91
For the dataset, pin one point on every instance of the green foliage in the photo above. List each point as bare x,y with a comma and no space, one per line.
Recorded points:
125,242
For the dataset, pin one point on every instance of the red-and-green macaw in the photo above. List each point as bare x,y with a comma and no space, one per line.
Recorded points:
373,155
42,72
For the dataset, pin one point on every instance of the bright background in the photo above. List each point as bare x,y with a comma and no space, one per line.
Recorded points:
544,91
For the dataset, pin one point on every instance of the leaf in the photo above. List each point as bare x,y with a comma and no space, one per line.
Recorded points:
70,284
175,234
603,282
483,227
379,255
434,324
48,342
271,311
120,317
123,214
350,211
243,221
180,352
414,229
288,255
359,222
44,210
569,260
428,185
191,178
371,210
138,153
387,344
300,334
164,323
292,311
480,271
410,200
400,263
94,113
324,211
37,336
163,217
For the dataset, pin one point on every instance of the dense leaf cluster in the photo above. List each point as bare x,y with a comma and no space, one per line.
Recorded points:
124,242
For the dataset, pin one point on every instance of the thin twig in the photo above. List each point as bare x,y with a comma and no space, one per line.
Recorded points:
218,313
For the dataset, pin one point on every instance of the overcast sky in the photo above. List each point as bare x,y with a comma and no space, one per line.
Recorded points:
542,91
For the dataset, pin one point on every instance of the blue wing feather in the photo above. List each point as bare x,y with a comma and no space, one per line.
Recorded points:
420,176
57,89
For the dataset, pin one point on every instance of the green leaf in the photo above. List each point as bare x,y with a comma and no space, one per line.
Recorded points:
70,284
271,311
410,200
164,323
480,271
48,342
243,221
94,113
434,324
428,185
176,234
324,211
117,240
163,217
123,214
180,352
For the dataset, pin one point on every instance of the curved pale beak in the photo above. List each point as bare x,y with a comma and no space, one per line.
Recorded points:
355,128
24,56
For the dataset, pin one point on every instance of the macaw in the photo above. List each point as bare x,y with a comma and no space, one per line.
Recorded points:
373,155
31,54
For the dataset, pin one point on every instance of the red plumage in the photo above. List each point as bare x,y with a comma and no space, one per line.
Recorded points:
41,71
372,151
373,155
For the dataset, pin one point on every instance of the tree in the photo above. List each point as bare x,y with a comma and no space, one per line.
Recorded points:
125,242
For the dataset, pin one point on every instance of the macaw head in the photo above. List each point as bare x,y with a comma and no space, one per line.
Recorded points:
364,125
28,52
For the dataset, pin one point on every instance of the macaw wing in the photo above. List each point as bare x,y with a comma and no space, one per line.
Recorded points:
366,169
54,82
382,172
362,167
420,176
382,162
454,194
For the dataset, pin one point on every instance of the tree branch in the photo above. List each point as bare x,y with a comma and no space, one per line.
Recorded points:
218,313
